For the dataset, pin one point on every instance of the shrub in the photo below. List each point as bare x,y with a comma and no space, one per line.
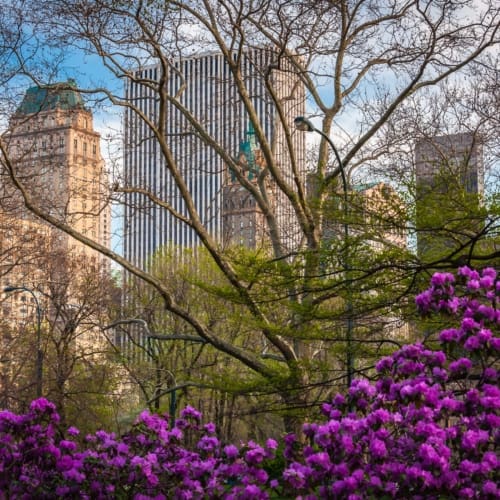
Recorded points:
427,427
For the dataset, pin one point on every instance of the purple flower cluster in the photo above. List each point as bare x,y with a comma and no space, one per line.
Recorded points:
148,462
427,427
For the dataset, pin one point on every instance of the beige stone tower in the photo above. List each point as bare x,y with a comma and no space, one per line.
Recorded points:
56,153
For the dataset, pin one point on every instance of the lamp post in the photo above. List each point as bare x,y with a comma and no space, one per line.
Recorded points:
304,124
39,355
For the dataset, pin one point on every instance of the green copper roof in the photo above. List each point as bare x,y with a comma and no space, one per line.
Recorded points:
59,95
248,148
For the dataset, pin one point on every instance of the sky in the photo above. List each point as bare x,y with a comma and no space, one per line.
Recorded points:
89,71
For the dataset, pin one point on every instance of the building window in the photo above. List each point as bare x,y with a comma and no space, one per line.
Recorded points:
61,142
94,149
75,144
84,148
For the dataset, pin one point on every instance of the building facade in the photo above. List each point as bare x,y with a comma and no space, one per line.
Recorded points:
56,155
204,87
449,190
381,215
54,152
243,222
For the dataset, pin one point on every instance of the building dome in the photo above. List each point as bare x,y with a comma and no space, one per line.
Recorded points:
59,95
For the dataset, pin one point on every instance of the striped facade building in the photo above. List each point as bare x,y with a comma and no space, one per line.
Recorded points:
203,86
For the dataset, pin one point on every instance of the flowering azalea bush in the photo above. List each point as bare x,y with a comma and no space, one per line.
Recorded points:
427,427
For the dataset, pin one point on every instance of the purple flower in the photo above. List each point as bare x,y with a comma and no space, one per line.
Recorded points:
449,335
67,445
73,431
472,438
255,455
122,448
489,271
460,366
440,279
439,374
320,460
490,461
74,475
190,412
490,374
486,282
469,324
424,300
378,449
490,488
472,343
42,405
487,311
468,272
64,463
208,443
473,285
296,475
271,444
210,428
495,343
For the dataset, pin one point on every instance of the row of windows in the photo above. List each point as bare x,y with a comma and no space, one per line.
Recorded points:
83,147
49,143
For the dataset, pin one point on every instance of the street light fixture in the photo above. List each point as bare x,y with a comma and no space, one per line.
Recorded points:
39,357
304,124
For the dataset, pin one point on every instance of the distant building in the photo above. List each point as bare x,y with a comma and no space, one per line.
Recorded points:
376,214
242,219
206,87
381,215
457,155
450,186
55,153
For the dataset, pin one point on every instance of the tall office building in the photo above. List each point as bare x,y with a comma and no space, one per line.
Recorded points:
450,186
203,84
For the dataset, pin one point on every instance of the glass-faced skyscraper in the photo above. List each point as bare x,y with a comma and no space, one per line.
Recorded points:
201,86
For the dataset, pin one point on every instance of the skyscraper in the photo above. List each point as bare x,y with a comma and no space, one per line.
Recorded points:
449,188
204,86
54,152
56,155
